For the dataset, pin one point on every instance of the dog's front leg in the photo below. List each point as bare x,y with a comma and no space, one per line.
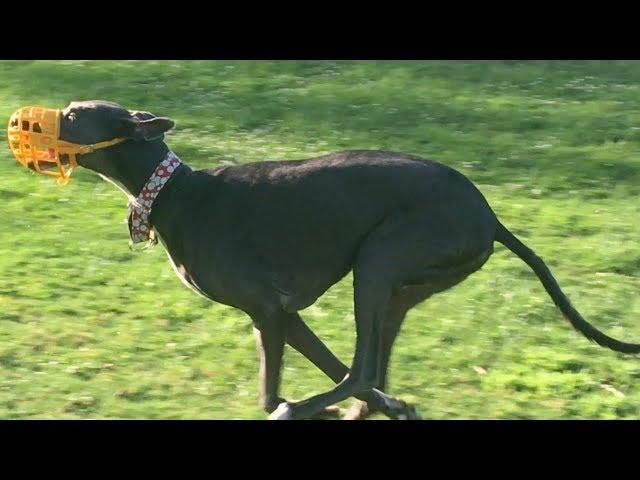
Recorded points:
270,337
298,335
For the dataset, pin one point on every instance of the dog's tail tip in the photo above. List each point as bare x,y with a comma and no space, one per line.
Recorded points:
509,240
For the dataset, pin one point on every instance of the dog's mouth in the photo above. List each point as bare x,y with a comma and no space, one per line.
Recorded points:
34,139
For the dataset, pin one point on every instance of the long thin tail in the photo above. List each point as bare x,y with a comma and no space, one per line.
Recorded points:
510,241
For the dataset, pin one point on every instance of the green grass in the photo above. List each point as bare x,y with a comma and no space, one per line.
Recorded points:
89,329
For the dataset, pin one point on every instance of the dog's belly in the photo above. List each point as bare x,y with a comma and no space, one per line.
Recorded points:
302,290
293,302
250,286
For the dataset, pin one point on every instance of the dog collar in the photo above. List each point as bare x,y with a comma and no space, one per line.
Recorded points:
140,229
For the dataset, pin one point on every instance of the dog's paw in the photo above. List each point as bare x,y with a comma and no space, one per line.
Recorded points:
283,412
397,409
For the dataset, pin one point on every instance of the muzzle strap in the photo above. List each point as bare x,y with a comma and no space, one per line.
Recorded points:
91,148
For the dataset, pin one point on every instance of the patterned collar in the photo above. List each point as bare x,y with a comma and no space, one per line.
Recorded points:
140,229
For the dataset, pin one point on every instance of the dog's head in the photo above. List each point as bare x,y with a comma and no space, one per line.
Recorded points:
95,121
122,145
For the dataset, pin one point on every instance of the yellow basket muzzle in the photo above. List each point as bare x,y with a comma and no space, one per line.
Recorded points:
34,139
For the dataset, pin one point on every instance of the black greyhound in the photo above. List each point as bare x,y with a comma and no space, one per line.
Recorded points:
270,238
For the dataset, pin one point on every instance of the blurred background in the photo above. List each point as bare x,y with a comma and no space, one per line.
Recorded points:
90,329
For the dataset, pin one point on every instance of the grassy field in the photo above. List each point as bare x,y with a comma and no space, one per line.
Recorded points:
554,146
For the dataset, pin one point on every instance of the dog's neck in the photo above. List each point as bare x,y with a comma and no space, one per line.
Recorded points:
134,164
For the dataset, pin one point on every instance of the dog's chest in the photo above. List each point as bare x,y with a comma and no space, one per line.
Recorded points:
204,279
184,276
182,273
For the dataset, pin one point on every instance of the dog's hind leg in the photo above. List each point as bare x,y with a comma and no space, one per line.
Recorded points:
401,302
416,248
373,285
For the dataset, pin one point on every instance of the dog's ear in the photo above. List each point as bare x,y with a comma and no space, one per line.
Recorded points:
140,115
150,129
